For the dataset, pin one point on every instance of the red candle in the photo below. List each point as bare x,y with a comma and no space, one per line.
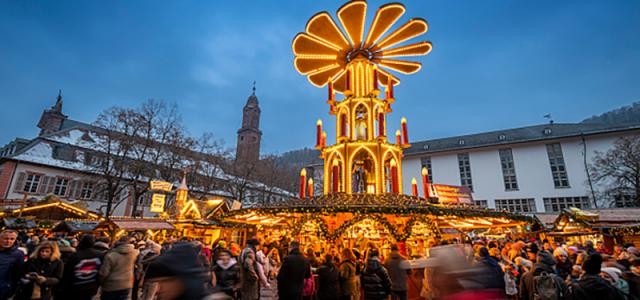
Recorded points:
414,187
343,124
324,139
330,90
303,182
390,88
375,79
405,135
319,132
380,124
310,187
336,176
425,183
398,138
394,177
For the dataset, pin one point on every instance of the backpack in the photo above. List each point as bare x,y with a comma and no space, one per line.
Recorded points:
309,287
545,287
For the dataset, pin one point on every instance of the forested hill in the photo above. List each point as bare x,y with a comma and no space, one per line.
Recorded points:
623,115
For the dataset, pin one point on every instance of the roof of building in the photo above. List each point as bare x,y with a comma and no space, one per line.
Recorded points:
515,135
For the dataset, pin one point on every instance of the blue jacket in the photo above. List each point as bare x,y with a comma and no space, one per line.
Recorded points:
11,261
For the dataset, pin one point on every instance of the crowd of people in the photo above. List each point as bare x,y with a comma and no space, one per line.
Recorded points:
35,267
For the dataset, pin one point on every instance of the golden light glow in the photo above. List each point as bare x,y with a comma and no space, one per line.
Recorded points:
414,181
303,172
319,122
323,52
425,172
403,120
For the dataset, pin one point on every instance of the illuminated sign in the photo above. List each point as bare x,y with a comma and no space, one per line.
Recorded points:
159,185
451,194
157,203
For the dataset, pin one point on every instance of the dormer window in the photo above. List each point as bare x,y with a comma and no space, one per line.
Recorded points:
425,147
461,142
502,137
547,131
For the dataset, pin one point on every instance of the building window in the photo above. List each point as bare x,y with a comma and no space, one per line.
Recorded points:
508,170
516,205
60,188
425,162
481,203
86,190
557,204
624,201
465,170
558,168
63,152
31,183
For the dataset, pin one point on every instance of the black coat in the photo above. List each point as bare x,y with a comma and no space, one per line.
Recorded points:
11,261
526,289
80,279
375,280
52,270
594,287
328,282
227,278
295,268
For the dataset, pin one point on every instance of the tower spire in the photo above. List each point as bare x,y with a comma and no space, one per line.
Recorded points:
58,106
254,88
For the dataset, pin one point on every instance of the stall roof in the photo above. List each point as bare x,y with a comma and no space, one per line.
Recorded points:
57,210
139,224
547,220
610,217
76,226
19,223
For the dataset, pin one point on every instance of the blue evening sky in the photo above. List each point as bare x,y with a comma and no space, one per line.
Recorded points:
496,64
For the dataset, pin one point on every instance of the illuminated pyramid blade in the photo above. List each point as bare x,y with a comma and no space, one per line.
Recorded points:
324,50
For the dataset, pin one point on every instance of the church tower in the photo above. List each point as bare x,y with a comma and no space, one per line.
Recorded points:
249,135
52,119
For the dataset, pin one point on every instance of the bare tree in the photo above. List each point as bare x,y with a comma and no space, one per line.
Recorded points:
618,169
113,145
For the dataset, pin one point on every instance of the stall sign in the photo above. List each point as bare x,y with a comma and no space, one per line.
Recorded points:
157,203
452,194
159,185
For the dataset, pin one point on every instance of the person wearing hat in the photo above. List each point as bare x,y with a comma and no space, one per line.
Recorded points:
179,274
613,276
542,269
591,285
563,264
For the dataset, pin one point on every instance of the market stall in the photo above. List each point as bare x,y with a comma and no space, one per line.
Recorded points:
75,226
609,225
153,228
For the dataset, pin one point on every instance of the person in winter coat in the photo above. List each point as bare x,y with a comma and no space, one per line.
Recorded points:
328,280
116,273
102,244
491,275
80,280
563,264
295,268
591,285
151,252
180,274
613,276
543,267
250,287
41,273
375,279
226,273
399,271
348,284
11,260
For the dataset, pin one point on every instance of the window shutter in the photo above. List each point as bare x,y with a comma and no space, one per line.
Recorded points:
19,186
51,185
72,187
42,185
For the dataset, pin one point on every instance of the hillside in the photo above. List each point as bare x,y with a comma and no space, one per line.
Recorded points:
622,115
